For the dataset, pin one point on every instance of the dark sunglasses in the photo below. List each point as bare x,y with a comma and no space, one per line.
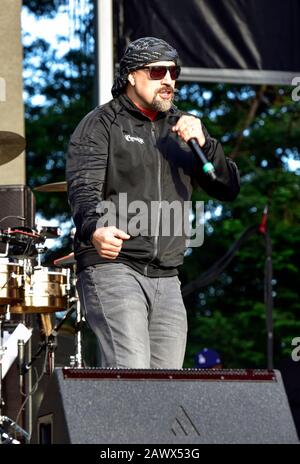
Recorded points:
159,72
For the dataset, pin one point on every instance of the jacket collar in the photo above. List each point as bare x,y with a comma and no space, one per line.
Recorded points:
131,108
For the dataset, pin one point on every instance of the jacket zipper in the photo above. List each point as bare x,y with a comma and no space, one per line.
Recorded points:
156,237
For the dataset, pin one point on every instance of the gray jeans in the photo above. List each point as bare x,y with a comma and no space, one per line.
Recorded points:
139,321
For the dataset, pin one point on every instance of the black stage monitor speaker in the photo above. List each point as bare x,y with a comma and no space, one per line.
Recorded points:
96,406
16,200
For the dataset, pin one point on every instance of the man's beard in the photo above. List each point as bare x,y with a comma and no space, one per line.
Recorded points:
162,105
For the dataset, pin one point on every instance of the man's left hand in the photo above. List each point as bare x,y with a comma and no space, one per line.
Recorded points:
188,127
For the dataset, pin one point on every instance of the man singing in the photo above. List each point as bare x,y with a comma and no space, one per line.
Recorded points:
136,145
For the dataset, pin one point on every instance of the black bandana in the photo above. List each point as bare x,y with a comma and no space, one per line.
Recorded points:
139,53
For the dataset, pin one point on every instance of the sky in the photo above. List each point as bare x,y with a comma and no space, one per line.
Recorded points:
48,29
51,30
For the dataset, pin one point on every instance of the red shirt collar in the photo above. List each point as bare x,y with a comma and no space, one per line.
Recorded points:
151,114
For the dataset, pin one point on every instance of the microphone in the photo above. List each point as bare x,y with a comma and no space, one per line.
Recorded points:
207,167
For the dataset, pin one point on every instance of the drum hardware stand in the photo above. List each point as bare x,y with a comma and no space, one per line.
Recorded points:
4,436
50,344
78,338
77,360
40,251
2,351
6,237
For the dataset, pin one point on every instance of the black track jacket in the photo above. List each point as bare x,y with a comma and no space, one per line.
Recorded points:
117,149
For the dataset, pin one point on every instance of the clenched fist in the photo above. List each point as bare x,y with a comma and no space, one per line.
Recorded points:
108,241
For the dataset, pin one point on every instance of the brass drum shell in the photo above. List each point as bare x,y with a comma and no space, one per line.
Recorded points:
11,289
44,292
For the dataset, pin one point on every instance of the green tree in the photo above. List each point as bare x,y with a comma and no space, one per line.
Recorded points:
229,315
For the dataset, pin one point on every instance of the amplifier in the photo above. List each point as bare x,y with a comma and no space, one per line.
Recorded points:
16,200
93,406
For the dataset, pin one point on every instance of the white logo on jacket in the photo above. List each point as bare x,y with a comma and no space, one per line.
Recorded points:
129,138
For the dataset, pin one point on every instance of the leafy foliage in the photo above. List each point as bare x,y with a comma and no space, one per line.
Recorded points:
230,314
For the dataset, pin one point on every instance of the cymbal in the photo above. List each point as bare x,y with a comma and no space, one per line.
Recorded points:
54,187
11,145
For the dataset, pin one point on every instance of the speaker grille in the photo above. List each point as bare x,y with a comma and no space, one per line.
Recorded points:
16,200
256,375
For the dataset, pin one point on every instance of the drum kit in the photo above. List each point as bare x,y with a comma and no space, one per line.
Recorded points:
27,287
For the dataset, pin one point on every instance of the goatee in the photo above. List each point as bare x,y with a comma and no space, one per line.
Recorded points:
162,105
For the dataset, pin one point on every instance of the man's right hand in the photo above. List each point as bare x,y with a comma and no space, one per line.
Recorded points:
108,241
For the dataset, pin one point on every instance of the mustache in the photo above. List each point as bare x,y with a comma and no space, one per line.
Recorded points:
166,87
